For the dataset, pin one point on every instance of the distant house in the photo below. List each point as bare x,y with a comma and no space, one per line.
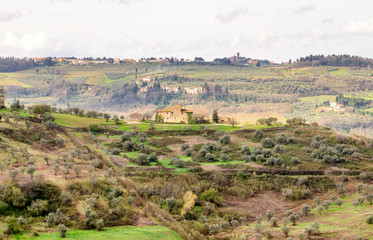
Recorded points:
193,90
224,119
144,89
171,89
147,79
116,60
336,107
128,60
37,59
174,114
2,98
138,117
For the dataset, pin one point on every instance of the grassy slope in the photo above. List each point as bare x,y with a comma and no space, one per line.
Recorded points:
335,222
117,233
76,121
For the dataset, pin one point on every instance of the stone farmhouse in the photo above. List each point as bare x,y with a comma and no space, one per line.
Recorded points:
171,89
173,114
193,90
148,79
2,97
139,117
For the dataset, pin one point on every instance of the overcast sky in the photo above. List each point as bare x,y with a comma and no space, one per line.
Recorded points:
272,29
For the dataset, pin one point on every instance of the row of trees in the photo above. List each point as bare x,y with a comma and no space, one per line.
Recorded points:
12,64
334,60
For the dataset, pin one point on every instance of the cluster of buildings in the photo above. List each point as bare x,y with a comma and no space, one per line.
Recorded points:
85,61
170,89
337,107
173,114
235,60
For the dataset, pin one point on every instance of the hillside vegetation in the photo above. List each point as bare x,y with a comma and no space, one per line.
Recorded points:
90,177
246,93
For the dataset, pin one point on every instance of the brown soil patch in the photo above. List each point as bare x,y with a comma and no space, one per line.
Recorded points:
256,166
191,140
143,221
259,204
211,167
338,169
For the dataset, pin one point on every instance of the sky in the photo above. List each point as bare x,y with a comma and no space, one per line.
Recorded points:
272,29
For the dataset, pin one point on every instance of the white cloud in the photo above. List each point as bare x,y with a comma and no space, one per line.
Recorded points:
328,20
30,43
304,9
229,17
8,16
265,37
362,27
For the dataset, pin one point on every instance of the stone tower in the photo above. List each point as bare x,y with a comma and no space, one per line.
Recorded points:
2,97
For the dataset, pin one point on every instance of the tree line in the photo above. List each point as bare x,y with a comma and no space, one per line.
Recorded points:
334,60
13,64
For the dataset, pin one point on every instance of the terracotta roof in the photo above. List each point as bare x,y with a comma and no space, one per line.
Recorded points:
173,109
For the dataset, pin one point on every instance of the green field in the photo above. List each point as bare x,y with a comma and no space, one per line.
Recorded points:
76,121
115,233
318,99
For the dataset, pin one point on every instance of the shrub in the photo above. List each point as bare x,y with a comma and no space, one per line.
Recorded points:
185,147
245,150
50,125
285,230
41,109
115,151
214,228
131,200
209,195
224,157
363,176
100,224
141,136
339,202
97,163
38,207
171,203
93,127
129,145
12,226
210,157
188,152
153,157
226,139
268,143
278,149
202,152
270,213
142,159
62,230
177,162
305,210
235,223
293,218
370,220
258,134
281,139
370,198
302,180
126,136
273,222
268,234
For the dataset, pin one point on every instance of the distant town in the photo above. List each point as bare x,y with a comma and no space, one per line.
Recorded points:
236,59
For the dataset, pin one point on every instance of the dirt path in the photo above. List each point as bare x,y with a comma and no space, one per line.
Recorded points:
208,167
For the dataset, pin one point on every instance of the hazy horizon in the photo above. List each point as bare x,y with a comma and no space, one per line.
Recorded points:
271,30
